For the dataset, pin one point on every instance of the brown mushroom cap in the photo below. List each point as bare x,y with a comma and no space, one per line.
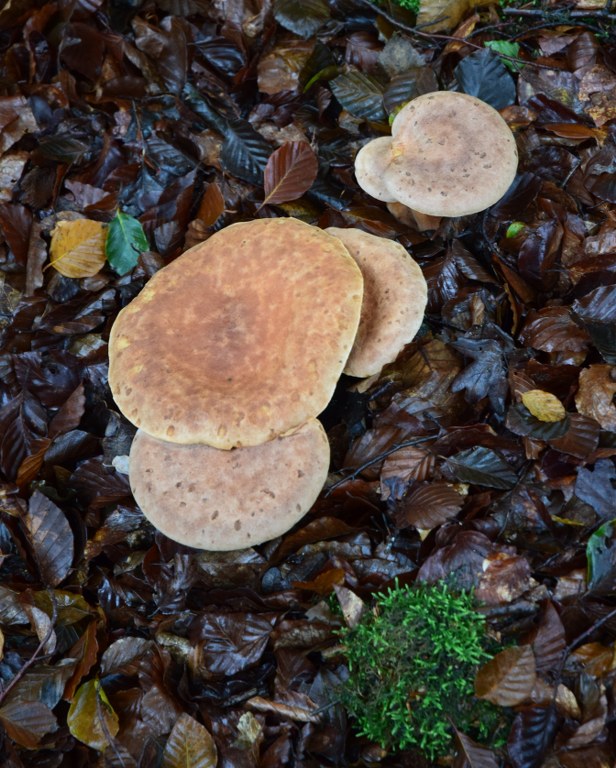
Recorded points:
370,164
395,297
224,500
240,339
452,155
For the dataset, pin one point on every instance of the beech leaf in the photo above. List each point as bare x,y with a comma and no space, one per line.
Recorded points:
51,538
543,405
126,241
91,718
190,745
507,679
78,247
290,171
472,754
27,722
428,506
482,466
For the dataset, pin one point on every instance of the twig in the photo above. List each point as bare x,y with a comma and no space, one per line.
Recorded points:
27,664
564,15
448,38
358,470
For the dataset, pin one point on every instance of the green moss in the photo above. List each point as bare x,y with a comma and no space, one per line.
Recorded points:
412,663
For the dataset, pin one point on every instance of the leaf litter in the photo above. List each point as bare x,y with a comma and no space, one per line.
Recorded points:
483,455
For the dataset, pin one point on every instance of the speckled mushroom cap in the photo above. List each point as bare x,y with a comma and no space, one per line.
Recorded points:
395,297
452,155
240,339
370,164
224,500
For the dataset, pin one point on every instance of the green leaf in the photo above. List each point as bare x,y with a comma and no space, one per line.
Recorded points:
509,49
125,242
190,745
601,558
514,229
91,718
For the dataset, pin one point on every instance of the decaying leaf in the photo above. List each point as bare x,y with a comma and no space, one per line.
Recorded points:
595,396
78,247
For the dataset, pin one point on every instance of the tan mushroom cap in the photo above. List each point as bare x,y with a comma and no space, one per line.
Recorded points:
240,339
395,297
224,500
370,164
452,155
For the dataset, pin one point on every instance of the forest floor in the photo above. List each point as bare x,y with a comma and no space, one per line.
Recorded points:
119,647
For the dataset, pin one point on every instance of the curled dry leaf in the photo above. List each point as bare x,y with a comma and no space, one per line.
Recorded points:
543,405
509,678
78,247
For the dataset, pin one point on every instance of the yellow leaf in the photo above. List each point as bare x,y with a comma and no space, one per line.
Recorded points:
78,247
443,15
91,718
544,405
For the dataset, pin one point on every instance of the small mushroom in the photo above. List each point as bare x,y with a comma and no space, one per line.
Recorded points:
452,155
240,339
224,500
395,297
370,165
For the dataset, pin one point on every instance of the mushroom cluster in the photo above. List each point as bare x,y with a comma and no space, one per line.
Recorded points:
228,355
449,154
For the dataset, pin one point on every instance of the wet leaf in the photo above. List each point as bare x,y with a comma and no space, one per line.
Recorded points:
125,242
596,487
601,558
231,642
359,94
303,17
521,421
549,642
543,405
91,718
595,395
508,678
597,310
531,734
482,74
289,173
51,538
428,506
190,745
472,754
27,722
244,151
78,247
482,466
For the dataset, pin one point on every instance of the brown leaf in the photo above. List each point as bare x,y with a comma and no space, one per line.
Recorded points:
78,247
85,652
302,714
402,466
509,678
439,15
428,506
549,642
50,537
27,722
595,396
190,745
211,206
290,171
69,415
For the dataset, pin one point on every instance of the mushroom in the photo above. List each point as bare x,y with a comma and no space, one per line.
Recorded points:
451,155
395,297
224,500
370,165
240,339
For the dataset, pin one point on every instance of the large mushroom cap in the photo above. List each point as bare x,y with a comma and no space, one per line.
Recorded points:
452,155
395,297
370,165
224,500
240,339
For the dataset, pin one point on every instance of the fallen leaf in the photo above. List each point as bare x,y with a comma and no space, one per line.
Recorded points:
190,745
289,173
91,718
78,247
543,405
507,679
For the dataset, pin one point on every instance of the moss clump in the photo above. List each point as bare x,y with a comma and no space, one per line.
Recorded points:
412,663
